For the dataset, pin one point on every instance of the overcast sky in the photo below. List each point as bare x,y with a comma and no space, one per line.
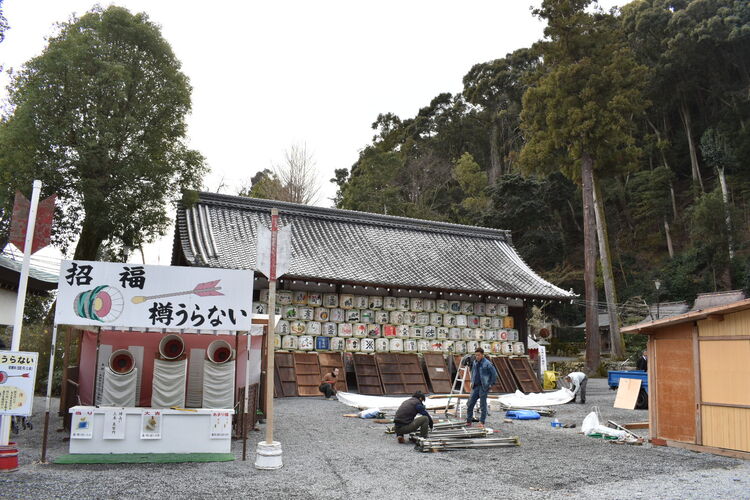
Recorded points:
270,74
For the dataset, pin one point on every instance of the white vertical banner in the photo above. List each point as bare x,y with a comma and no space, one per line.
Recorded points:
542,359
263,250
114,424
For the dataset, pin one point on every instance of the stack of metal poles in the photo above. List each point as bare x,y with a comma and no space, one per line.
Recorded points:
446,443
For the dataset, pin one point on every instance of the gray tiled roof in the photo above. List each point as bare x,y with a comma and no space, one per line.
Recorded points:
346,246
713,299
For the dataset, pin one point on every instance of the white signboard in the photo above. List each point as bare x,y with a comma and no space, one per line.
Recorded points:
283,250
140,296
221,425
114,424
17,378
151,424
82,424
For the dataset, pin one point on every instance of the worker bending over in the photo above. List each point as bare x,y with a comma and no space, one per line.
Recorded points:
328,384
407,421
577,381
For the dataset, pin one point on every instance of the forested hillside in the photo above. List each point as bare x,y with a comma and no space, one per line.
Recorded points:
656,96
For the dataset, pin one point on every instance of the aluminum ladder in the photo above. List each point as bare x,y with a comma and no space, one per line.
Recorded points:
461,374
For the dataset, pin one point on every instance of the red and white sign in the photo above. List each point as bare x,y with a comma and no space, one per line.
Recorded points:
20,220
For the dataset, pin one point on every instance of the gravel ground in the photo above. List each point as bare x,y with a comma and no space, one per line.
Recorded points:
328,456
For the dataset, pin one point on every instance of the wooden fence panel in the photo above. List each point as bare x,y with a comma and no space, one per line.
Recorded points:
307,371
524,375
366,373
284,362
329,361
437,372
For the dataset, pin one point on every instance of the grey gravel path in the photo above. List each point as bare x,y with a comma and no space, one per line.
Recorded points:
328,456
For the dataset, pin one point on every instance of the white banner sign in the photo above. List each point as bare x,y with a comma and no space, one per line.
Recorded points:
17,378
283,250
140,296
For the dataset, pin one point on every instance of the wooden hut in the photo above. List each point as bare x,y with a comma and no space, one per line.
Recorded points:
699,379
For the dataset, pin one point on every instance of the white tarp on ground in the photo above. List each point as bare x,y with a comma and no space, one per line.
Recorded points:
382,402
591,425
521,400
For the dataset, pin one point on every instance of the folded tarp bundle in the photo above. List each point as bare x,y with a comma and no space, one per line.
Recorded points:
522,415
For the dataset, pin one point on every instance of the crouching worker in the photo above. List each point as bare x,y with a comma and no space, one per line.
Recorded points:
328,384
407,421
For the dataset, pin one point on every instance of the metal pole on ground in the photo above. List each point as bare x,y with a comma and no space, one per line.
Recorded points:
21,297
49,392
247,398
268,452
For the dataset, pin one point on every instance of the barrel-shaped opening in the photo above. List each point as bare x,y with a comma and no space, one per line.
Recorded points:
219,351
122,362
171,347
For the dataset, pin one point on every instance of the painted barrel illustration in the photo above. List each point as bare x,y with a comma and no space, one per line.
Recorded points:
282,327
289,342
103,303
410,345
314,299
330,300
171,347
297,327
322,343
404,303
381,345
220,352
121,361
299,297
284,297
338,344
396,345
346,330
337,315
373,331
306,343
376,302
518,348
442,306
390,303
359,330
346,301
313,328
417,304
361,302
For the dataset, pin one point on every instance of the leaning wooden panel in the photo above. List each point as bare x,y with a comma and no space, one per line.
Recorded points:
524,375
284,362
366,373
725,427
437,372
503,367
307,370
412,374
329,361
725,371
389,369
501,385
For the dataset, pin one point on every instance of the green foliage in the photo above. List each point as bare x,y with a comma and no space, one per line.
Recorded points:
99,117
3,23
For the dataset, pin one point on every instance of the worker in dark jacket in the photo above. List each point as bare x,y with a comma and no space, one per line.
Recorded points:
483,376
407,421
642,363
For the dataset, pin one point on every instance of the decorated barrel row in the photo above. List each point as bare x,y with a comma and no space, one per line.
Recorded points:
299,298
363,330
353,344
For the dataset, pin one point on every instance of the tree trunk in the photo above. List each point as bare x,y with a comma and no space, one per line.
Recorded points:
90,240
727,217
496,169
616,346
669,238
674,201
685,115
589,244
